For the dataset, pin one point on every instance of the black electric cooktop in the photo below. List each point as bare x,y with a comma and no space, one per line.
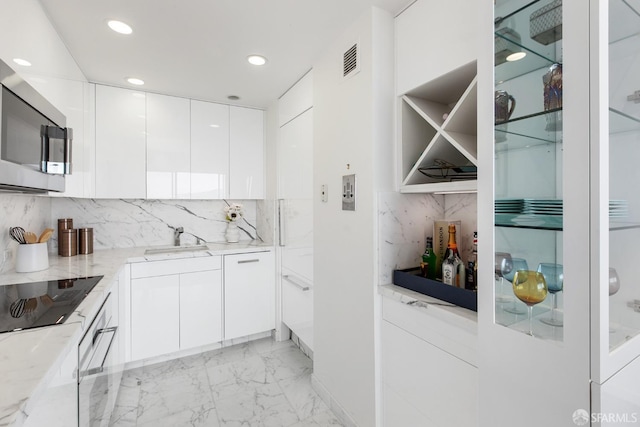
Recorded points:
35,304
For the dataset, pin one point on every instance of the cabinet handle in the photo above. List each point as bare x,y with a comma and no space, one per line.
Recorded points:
302,287
281,221
244,261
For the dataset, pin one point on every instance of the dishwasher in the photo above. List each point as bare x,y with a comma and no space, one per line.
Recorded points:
96,394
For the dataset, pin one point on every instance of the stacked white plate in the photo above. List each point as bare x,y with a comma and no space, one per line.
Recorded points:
617,208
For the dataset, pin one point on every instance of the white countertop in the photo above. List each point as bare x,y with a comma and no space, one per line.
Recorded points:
30,358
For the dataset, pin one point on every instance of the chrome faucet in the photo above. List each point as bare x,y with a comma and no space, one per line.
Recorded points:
176,235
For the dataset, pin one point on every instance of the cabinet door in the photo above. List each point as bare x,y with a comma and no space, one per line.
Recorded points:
209,150
297,307
57,406
249,294
155,316
120,143
246,153
168,147
200,308
443,390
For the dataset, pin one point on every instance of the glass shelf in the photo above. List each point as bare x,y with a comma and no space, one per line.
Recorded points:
533,61
533,129
549,222
512,35
620,122
626,15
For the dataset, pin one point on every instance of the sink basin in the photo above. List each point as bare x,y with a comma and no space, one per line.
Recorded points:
176,249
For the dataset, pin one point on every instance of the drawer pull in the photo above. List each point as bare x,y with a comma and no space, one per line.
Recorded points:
302,287
244,261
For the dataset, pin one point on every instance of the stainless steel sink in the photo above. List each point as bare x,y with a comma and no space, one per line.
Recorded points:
176,249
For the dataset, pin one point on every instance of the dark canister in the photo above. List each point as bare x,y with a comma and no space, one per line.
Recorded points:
68,242
63,224
85,237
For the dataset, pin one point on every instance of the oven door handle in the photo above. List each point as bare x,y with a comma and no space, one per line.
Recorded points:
101,352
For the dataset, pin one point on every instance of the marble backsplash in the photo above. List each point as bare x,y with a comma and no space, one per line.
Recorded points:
405,220
119,223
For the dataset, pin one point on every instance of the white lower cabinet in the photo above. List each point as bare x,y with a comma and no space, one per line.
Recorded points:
200,304
58,406
175,305
249,294
155,316
428,378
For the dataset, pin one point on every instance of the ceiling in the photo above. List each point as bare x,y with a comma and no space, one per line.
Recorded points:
198,48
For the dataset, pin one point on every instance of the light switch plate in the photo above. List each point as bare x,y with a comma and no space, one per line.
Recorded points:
323,193
348,192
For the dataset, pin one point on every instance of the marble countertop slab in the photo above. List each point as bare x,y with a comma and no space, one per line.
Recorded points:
433,306
30,358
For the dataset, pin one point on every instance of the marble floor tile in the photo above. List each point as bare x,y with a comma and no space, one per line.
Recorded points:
287,363
238,377
304,400
267,406
261,383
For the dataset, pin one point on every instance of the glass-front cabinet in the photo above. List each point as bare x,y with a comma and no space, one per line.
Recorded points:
559,298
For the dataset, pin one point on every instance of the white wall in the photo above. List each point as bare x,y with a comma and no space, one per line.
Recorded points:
353,123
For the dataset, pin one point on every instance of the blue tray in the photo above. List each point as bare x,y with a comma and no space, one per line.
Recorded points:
410,279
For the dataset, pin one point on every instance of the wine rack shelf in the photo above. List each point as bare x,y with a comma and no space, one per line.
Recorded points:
438,134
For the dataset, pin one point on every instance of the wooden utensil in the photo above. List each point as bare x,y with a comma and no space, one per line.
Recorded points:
30,237
46,235
46,300
30,305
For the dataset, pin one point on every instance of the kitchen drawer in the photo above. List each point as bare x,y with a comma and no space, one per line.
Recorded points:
448,331
175,266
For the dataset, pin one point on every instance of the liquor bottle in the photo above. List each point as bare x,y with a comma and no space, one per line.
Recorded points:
452,266
429,262
472,266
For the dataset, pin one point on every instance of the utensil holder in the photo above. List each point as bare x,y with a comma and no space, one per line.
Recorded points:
32,257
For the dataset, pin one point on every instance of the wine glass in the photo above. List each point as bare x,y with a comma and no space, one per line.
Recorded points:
553,275
518,264
503,265
614,287
530,288
614,281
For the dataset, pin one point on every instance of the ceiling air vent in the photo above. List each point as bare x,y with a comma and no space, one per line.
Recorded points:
350,61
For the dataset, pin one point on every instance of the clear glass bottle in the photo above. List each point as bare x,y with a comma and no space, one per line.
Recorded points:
453,271
429,263
471,282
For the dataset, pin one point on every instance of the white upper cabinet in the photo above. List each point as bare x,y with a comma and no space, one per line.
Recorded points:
168,147
428,46
209,150
246,160
120,143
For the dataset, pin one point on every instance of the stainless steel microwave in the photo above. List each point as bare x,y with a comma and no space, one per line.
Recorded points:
35,144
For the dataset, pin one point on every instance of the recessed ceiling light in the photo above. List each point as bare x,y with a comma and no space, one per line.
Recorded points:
135,81
516,56
233,97
119,27
256,59
214,126
22,62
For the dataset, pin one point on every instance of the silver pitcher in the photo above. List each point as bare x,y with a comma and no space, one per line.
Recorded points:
503,110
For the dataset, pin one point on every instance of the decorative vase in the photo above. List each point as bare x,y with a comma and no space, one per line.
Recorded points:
233,233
